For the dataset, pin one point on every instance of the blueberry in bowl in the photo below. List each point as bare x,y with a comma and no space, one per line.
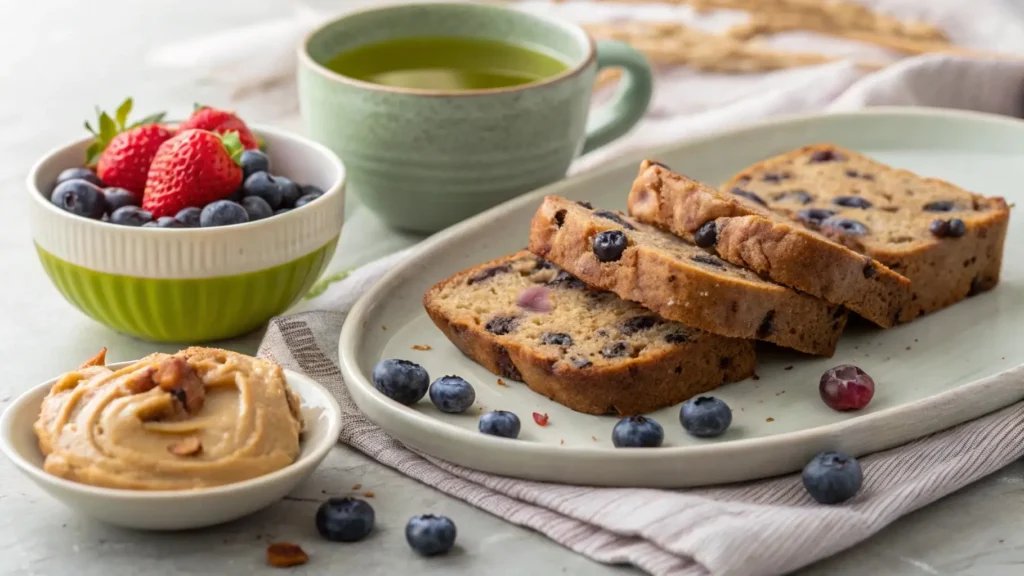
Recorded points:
165,280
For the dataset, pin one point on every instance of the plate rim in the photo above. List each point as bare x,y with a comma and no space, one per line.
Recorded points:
349,338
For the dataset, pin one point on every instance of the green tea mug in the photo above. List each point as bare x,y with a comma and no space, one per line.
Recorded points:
423,159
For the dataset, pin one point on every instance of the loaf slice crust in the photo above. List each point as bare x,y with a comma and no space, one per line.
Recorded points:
682,282
752,236
888,214
524,319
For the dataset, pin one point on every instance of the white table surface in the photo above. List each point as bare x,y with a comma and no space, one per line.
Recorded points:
60,57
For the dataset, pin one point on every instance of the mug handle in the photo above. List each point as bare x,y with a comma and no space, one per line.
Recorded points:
630,101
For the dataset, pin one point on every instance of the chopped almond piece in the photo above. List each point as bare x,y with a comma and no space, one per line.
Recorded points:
286,555
175,376
421,347
140,381
186,447
100,359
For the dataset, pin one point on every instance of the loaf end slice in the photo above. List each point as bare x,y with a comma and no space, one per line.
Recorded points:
748,234
946,240
524,319
680,281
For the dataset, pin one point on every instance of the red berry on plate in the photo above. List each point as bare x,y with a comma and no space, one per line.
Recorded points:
846,387
122,152
540,419
195,168
221,122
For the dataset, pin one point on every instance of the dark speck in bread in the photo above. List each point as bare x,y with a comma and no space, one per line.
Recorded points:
614,218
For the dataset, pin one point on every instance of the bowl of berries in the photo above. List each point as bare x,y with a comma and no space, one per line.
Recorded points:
192,231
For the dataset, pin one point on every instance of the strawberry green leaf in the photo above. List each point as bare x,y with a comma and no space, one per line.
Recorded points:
233,144
89,128
108,128
261,143
151,119
196,106
92,154
121,115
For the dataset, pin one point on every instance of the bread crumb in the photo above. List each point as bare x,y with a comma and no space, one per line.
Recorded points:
560,442
421,347
285,555
502,383
384,328
780,393
908,347
357,486
769,419
368,494
593,438
790,367
755,377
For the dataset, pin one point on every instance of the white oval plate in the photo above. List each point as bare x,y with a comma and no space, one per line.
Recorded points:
936,372
174,509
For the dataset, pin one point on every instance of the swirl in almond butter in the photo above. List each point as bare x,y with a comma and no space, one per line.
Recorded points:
199,418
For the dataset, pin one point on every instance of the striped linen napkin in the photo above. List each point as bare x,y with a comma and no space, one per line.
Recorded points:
759,528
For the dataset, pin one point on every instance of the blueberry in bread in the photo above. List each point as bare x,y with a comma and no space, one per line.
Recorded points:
946,240
743,230
524,319
681,281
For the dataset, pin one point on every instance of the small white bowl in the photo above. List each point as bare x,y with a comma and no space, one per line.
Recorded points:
174,509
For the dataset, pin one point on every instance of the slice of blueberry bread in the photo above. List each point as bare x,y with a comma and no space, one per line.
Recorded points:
679,280
946,240
523,318
750,235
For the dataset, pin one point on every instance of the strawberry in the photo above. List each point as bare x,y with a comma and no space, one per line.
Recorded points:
122,152
194,168
221,122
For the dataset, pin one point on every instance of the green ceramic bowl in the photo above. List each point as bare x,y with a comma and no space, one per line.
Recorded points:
191,285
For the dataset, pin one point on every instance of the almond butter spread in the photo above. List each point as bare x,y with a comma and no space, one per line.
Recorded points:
199,418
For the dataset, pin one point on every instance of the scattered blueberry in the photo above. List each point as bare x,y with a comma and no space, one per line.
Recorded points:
189,216
303,200
403,381
222,213
953,228
846,387
81,198
345,519
237,195
257,208
851,202
705,416
430,535
609,245
452,395
131,216
707,235
940,206
637,432
119,197
832,477
164,222
500,423
79,174
263,185
846,226
253,161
